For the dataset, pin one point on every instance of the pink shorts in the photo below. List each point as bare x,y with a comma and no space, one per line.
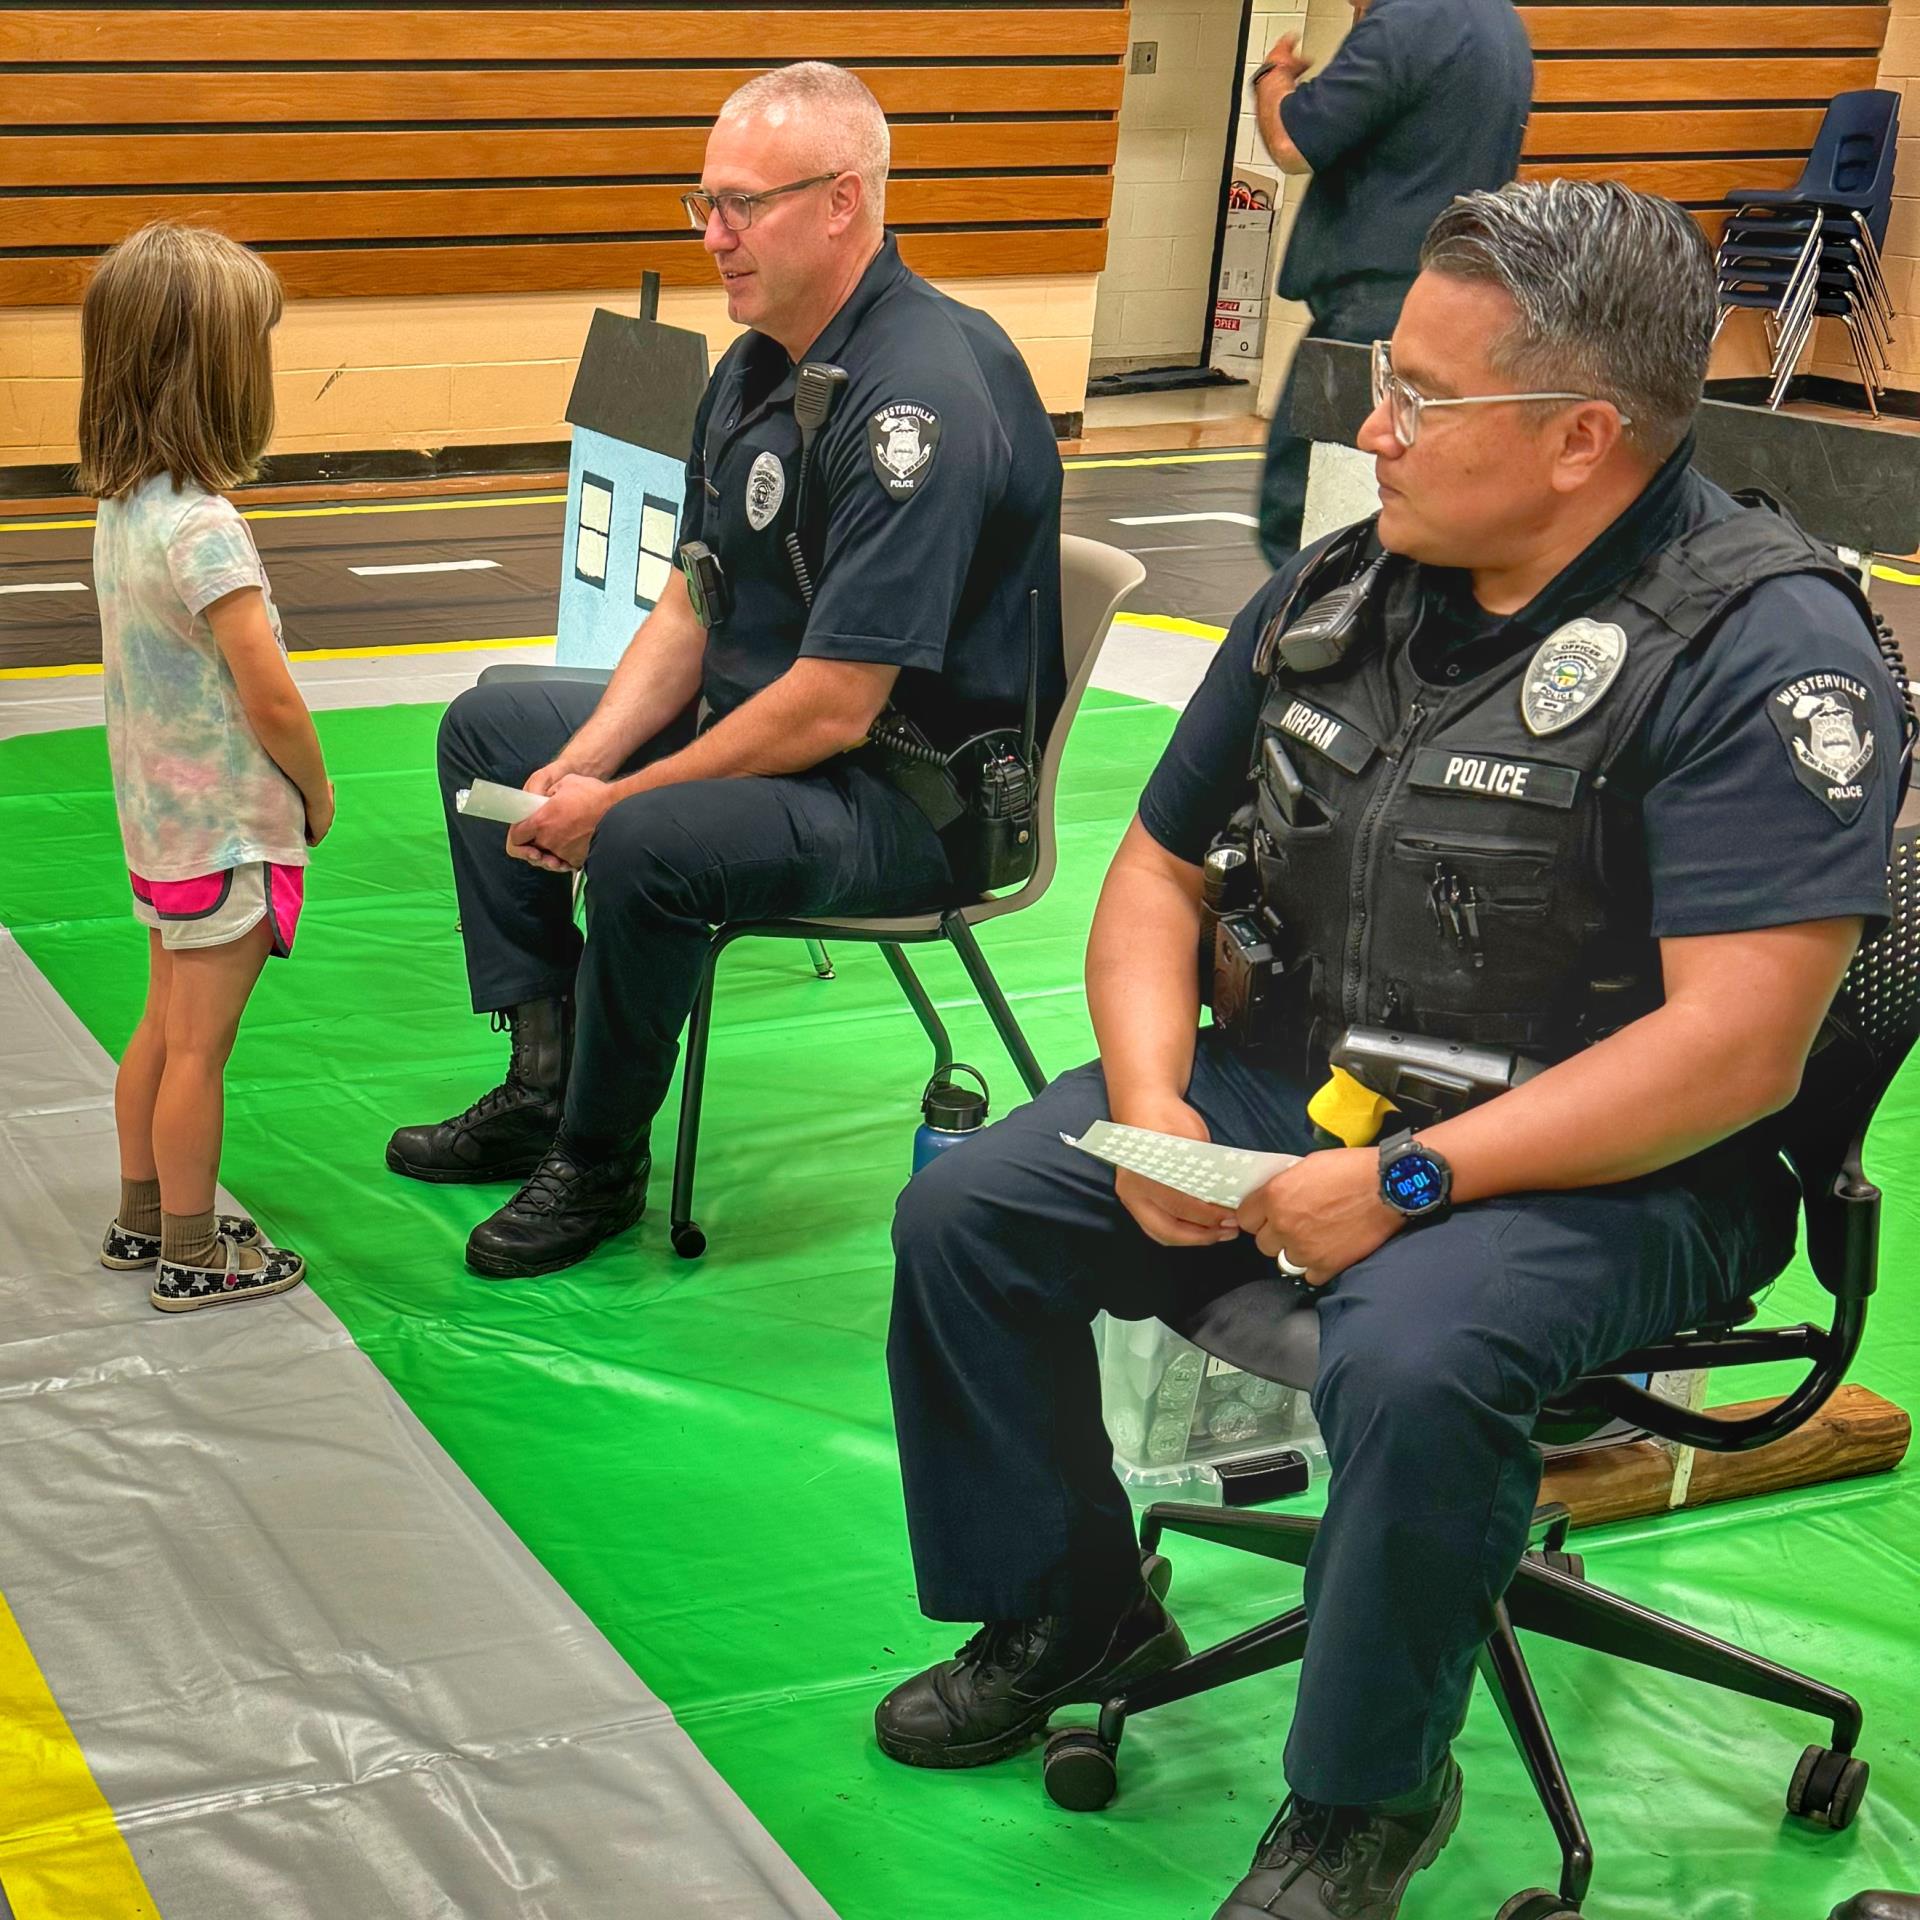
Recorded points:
214,909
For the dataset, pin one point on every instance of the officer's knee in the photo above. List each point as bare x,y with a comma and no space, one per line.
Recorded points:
644,865
948,1197
472,728
1393,1373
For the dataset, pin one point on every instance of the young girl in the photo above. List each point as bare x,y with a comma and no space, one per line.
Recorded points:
216,767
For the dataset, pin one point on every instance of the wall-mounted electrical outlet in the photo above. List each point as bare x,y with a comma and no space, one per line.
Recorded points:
1146,57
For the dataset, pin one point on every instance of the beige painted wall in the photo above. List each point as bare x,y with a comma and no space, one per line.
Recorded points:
460,370
1154,300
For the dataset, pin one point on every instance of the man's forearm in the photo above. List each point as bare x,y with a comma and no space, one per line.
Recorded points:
1143,979
657,679
1665,1087
1267,98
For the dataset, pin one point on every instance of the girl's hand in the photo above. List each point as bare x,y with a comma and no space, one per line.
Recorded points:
320,818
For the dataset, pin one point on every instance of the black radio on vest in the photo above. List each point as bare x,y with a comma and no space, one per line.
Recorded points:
1463,862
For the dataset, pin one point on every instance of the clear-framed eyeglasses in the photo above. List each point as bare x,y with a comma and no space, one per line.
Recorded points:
737,209
1406,404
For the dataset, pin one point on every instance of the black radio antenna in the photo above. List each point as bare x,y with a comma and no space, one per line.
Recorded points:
1031,721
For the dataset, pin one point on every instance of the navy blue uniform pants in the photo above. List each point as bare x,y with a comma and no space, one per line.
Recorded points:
1436,1353
1365,311
664,868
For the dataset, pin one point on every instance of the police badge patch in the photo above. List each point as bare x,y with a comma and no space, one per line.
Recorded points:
1570,674
902,438
1824,719
766,488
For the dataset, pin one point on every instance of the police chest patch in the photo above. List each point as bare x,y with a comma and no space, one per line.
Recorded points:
766,488
902,438
1824,721
1570,673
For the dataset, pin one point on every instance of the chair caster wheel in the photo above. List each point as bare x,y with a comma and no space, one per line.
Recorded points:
1079,1770
1827,1788
1537,1904
1563,1562
1157,1571
688,1241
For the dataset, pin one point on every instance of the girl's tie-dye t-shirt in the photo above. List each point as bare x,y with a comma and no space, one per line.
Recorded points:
197,792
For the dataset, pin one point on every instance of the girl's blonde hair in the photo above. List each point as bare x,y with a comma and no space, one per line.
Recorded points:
176,369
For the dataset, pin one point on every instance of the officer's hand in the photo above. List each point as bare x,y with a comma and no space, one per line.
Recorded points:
545,779
1163,1215
1325,1211
558,836
1286,55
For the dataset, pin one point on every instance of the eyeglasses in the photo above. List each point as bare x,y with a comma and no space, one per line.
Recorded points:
737,209
1406,404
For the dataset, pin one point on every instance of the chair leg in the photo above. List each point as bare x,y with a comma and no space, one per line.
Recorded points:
994,1001
822,960
922,1004
1288,1537
688,1240
1263,1649
1504,1668
1544,1600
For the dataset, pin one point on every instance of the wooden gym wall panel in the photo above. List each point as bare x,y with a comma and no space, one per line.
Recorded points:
1693,102
437,157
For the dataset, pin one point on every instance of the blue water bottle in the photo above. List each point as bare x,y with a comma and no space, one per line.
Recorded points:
951,1113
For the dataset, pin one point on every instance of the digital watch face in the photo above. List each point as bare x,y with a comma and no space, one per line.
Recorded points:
1413,1183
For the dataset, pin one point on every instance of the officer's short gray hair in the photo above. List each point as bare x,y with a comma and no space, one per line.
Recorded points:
1615,291
850,130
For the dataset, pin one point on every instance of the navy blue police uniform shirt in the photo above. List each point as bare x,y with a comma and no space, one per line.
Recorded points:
1737,839
1424,100
931,509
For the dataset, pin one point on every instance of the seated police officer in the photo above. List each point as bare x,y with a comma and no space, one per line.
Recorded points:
883,573
1594,769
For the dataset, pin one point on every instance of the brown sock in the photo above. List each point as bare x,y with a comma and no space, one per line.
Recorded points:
189,1239
139,1205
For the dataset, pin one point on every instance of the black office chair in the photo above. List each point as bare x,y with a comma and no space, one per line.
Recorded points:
1875,1019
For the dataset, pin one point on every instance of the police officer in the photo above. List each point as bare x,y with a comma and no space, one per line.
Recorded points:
1591,766
881,569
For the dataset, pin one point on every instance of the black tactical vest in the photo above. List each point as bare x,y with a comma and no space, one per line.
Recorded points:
1450,871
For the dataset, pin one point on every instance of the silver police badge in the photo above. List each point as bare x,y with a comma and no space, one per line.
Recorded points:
1570,673
1824,720
766,488
901,440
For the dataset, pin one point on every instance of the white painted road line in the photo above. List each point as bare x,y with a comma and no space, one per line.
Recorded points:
429,566
1181,519
48,586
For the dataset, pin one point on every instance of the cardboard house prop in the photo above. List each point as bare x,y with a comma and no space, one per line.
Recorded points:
632,412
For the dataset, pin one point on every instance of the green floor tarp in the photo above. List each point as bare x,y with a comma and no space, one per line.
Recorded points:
702,1452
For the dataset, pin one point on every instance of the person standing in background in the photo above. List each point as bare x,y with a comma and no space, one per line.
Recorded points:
1424,101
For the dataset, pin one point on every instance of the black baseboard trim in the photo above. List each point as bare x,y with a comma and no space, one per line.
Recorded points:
308,469
1820,390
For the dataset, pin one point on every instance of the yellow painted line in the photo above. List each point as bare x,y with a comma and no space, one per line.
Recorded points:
327,513
81,669
1883,572
1171,623
61,1854
1079,465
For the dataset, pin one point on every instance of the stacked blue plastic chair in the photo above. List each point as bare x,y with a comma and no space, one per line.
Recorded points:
1811,251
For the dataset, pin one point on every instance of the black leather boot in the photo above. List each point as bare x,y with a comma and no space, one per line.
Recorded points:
996,1693
1879,1905
1347,1863
568,1208
507,1131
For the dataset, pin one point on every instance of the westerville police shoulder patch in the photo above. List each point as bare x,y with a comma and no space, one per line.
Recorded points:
902,438
1570,673
1826,723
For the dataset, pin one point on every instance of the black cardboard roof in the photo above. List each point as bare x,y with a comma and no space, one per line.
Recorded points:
639,382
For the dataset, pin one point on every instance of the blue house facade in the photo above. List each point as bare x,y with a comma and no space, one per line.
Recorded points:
631,410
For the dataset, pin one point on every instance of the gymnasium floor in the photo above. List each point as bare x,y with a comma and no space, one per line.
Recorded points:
411,1595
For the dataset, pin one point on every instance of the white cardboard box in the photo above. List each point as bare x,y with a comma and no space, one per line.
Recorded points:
1247,236
1239,329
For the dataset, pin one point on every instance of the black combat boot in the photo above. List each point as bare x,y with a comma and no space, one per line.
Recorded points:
507,1131
1347,1863
996,1693
575,1200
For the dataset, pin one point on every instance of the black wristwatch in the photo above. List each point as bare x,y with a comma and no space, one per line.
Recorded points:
1260,73
1415,1181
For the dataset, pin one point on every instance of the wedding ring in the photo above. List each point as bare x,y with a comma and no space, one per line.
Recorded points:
1287,1267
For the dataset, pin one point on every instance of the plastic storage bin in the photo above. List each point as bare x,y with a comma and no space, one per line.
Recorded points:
1175,1413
